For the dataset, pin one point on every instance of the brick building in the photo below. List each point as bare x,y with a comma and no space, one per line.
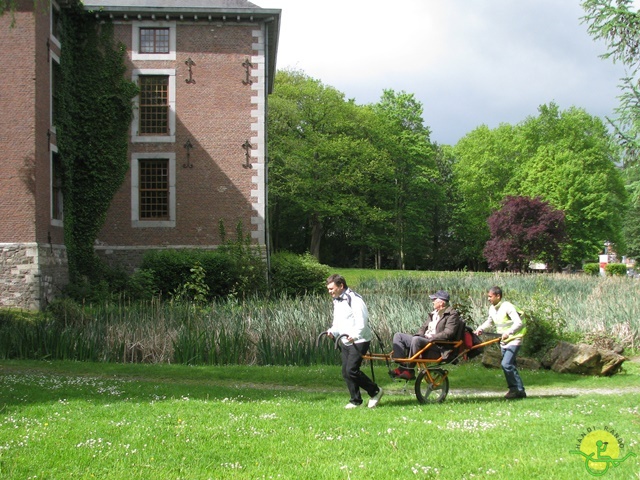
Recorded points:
197,147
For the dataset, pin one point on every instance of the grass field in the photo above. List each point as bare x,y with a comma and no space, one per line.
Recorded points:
64,420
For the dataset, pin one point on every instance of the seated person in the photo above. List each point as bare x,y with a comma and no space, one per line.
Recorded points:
442,324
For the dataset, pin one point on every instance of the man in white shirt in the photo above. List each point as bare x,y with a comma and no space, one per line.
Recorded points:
350,317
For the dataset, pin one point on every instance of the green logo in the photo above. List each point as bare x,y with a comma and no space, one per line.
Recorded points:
600,450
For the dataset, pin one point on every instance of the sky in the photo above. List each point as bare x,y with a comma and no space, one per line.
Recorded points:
468,62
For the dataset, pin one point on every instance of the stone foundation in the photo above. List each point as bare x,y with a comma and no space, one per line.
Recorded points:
31,275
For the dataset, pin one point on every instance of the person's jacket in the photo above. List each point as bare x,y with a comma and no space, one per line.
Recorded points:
448,328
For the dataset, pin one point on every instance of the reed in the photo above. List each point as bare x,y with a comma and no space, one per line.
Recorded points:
283,331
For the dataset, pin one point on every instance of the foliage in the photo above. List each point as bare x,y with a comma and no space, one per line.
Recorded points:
591,268
522,231
92,132
349,184
485,161
293,274
235,269
617,23
566,158
545,323
195,288
571,166
612,269
282,330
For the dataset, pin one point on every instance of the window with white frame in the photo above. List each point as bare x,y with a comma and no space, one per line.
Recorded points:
153,189
153,41
56,24
154,118
57,203
55,89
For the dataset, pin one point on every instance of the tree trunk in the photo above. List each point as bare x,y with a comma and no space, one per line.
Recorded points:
316,236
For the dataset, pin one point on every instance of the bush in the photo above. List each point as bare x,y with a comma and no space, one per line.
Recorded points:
228,271
591,268
293,274
613,269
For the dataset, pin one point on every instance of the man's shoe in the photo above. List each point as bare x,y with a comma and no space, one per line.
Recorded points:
373,401
406,375
515,394
350,405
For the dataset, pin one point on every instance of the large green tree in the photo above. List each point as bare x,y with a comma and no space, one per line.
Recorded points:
570,164
406,141
485,162
565,158
617,23
322,164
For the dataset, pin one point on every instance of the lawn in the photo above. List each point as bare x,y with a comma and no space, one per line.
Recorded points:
61,420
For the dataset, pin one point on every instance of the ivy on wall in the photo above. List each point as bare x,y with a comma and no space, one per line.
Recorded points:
92,130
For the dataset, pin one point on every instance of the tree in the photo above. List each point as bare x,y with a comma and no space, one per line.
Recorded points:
321,166
617,22
523,230
485,162
568,161
406,141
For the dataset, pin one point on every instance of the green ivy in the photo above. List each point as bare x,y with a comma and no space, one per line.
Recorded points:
92,131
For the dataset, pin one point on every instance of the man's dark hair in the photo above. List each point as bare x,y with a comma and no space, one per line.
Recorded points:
496,291
337,279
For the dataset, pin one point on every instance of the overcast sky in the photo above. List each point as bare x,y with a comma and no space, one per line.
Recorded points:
469,62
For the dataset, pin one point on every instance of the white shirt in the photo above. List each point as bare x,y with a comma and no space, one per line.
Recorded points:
350,316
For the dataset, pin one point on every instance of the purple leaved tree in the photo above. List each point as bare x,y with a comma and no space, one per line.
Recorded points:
525,230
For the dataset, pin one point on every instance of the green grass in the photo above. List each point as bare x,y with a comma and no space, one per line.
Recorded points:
62,420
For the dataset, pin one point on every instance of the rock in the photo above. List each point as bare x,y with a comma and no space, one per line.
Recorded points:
491,358
583,359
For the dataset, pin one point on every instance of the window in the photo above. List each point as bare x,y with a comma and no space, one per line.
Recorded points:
56,188
56,24
154,40
153,189
55,89
154,119
154,105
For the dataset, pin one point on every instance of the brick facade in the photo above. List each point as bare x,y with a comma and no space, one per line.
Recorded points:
216,112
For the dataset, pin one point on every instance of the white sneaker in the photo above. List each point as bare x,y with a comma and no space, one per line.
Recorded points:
350,405
375,399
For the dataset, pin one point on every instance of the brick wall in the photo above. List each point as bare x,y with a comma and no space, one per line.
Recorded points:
17,128
216,114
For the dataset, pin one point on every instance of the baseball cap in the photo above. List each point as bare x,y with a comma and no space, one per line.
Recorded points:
440,294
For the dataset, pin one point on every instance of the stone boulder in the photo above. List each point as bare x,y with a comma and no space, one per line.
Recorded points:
491,358
583,359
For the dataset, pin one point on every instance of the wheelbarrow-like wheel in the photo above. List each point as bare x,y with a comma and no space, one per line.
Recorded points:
432,385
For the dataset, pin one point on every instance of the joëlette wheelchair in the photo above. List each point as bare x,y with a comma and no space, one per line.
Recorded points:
432,380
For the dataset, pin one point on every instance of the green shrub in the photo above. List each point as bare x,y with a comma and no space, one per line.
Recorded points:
228,271
142,285
293,274
613,269
591,268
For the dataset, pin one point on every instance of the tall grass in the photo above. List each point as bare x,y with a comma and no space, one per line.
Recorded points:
283,331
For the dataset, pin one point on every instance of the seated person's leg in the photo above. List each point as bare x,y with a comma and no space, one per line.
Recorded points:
401,347
418,343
